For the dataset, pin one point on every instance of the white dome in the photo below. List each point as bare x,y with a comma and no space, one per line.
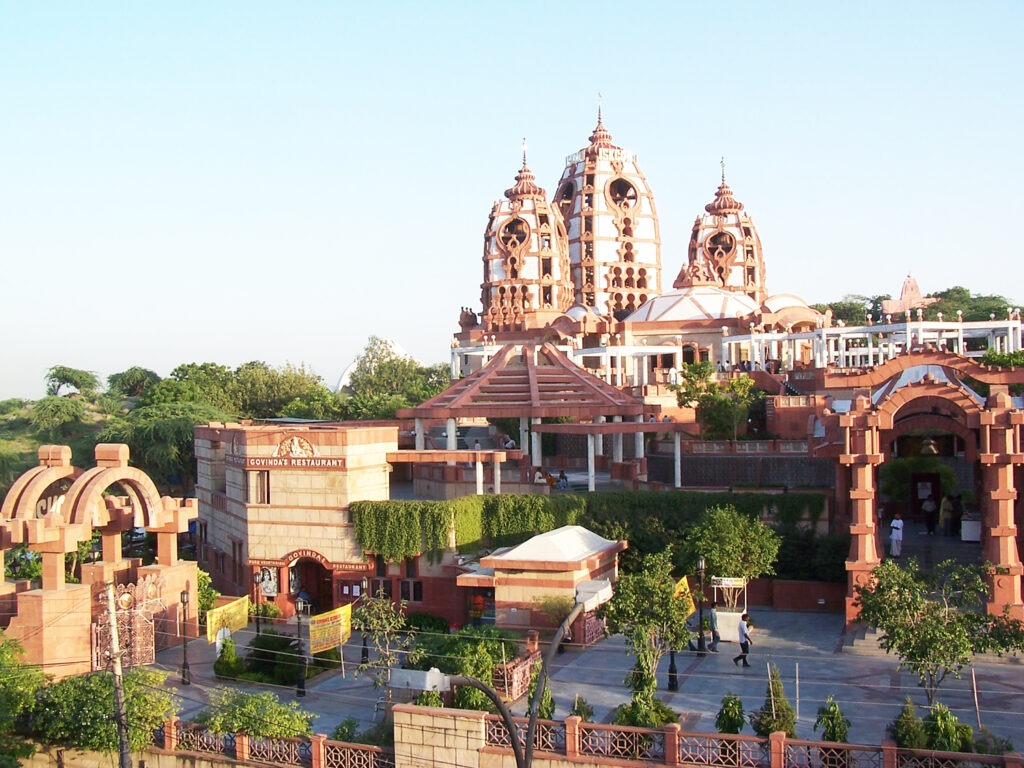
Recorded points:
701,302
781,301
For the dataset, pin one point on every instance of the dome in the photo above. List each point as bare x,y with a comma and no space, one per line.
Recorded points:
785,310
702,302
781,301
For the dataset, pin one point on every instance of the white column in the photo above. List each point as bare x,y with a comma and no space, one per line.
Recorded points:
617,442
638,439
421,438
599,438
452,438
479,476
536,451
591,476
524,435
454,363
871,350
677,451
497,477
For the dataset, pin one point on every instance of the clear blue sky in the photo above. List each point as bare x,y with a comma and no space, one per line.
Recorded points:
235,181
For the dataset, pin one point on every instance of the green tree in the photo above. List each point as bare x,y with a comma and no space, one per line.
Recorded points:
907,730
206,594
75,712
974,308
945,732
694,381
776,714
261,715
831,721
162,438
132,382
382,622
206,383
644,610
935,621
316,403
730,718
263,392
733,545
57,416
546,708
721,407
85,382
20,562
384,380
19,684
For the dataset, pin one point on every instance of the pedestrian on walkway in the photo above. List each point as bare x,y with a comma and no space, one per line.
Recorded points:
896,535
716,638
744,638
931,514
946,516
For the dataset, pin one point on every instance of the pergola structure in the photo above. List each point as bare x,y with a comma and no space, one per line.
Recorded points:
530,383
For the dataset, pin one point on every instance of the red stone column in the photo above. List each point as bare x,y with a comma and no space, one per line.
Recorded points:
572,737
242,747
1000,452
861,454
777,749
672,743
317,743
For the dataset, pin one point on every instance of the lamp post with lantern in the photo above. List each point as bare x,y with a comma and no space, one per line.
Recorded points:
702,648
186,673
365,657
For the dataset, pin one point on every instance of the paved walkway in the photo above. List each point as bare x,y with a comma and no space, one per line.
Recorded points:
806,647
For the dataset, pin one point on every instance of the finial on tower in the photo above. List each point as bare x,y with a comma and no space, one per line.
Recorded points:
723,169
524,151
598,106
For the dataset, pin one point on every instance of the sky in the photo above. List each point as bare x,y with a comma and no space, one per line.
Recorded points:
234,181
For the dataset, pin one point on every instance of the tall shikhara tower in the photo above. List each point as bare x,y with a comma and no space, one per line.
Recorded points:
612,223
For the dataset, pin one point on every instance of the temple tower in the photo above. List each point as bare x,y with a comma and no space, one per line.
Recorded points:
614,237
527,282
725,249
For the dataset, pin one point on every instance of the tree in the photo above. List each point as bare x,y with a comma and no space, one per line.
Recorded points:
733,545
721,407
935,621
59,376
471,651
316,403
162,438
833,724
57,416
132,382
19,683
645,610
973,308
263,392
75,712
261,715
731,717
206,594
776,714
384,380
382,622
20,562
206,383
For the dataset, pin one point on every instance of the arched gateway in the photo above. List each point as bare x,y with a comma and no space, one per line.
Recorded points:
925,392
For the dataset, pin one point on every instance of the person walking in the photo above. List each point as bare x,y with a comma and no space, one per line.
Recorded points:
716,638
896,535
744,638
931,514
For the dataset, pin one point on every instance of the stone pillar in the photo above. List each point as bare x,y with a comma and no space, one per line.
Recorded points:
861,454
672,743
1000,451
451,437
317,748
591,478
524,435
777,749
617,442
677,457
479,465
536,449
497,477
638,439
599,444
242,747
421,437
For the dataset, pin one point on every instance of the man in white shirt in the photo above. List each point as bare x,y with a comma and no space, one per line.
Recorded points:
744,638
896,535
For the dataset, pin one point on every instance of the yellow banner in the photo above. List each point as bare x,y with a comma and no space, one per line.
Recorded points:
331,629
232,614
683,593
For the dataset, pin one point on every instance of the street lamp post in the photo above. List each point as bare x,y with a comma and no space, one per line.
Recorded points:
186,673
300,681
702,648
673,671
257,582
365,657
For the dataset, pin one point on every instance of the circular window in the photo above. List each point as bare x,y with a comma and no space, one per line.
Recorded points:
514,233
622,193
720,245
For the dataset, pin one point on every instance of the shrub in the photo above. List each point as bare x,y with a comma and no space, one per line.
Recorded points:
643,715
346,730
946,733
546,708
832,722
776,714
419,622
275,657
987,743
228,664
907,730
582,709
730,717
429,699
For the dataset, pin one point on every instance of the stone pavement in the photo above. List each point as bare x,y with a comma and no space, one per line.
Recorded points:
807,647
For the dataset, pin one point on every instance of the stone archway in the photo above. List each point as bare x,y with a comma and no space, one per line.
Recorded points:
992,429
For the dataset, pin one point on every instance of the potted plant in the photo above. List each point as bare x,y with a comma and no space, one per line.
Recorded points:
834,727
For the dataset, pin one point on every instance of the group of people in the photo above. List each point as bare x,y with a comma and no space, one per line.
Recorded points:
946,516
743,636
562,481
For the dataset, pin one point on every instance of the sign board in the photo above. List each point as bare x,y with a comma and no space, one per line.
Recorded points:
682,592
331,629
233,614
727,582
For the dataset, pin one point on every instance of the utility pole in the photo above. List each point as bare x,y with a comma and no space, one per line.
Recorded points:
124,753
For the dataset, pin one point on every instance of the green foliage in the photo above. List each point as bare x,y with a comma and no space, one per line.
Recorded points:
228,663
546,707
653,713
390,529
316,403
20,562
581,709
803,555
19,684
57,417
907,730
1003,359
132,382
12,405
974,308
448,651
945,732
429,699
262,391
644,609
260,715
201,383
207,595
554,607
382,622
418,621
274,658
988,743
831,721
75,712
852,310
346,730
383,375
935,621
722,407
776,714
733,545
161,438
894,476
730,718
59,376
